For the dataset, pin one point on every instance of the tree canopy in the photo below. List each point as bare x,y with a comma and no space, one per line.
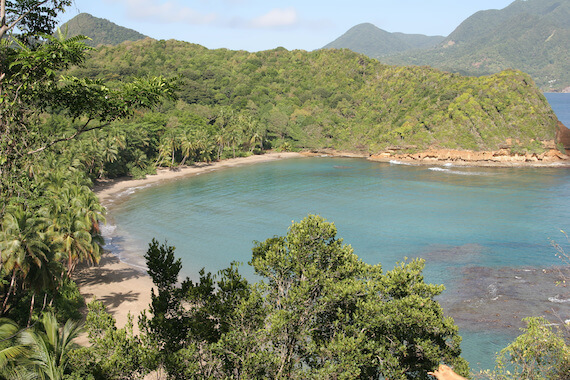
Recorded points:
318,312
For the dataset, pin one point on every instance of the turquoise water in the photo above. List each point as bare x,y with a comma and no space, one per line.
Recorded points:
484,232
459,219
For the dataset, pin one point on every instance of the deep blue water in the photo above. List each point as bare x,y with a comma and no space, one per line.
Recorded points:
560,103
484,232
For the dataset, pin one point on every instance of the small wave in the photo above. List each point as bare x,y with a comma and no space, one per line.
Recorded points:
456,172
132,190
448,165
558,300
396,162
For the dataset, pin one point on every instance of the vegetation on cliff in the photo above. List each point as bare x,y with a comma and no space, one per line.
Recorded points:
335,98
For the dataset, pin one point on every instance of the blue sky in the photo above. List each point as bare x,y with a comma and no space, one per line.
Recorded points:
255,25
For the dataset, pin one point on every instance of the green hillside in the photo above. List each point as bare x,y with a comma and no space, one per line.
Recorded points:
375,42
528,35
101,31
336,98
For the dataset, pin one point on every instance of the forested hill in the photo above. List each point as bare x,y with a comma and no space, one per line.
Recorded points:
101,31
375,42
528,35
337,98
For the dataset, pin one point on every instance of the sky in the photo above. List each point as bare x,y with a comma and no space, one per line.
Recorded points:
256,25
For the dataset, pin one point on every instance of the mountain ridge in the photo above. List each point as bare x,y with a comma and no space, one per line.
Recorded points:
528,35
374,42
100,31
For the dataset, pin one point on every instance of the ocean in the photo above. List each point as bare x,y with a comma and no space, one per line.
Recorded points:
485,233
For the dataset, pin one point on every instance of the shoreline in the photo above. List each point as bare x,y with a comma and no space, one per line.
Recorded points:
107,189
124,288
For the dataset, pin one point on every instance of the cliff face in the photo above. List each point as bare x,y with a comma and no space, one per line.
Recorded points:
501,157
508,155
563,136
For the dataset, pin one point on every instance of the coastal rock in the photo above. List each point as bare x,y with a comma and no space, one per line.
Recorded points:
501,157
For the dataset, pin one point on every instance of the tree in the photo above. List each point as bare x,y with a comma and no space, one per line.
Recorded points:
24,249
168,325
540,353
10,349
114,353
30,84
332,315
49,346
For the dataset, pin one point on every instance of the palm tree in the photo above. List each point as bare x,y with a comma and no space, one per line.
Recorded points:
221,141
22,246
76,214
10,350
50,346
186,145
167,147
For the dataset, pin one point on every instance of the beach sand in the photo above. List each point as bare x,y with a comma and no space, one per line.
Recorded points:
124,289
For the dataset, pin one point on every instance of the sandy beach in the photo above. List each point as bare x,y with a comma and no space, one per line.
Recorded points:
124,289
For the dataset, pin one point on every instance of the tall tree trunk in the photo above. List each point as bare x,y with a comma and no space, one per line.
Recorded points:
5,303
31,308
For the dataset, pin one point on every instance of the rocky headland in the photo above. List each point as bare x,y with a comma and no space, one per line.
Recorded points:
508,155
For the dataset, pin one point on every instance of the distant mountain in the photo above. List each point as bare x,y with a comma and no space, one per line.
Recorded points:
101,31
528,35
374,42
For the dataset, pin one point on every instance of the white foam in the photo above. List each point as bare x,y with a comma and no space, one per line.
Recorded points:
558,300
132,190
396,162
456,172
107,229
493,290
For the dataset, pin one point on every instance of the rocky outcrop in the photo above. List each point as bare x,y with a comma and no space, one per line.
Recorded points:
501,157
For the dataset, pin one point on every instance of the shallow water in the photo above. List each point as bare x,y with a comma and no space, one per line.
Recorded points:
482,231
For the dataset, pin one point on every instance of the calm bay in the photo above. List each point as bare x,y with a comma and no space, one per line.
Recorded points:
484,232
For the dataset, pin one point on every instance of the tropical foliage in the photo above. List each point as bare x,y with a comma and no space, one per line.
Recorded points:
69,117
49,217
319,312
325,99
540,353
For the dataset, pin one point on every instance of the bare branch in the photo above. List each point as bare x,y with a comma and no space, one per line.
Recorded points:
4,27
77,133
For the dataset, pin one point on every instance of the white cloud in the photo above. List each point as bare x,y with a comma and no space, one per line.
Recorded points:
168,12
276,18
